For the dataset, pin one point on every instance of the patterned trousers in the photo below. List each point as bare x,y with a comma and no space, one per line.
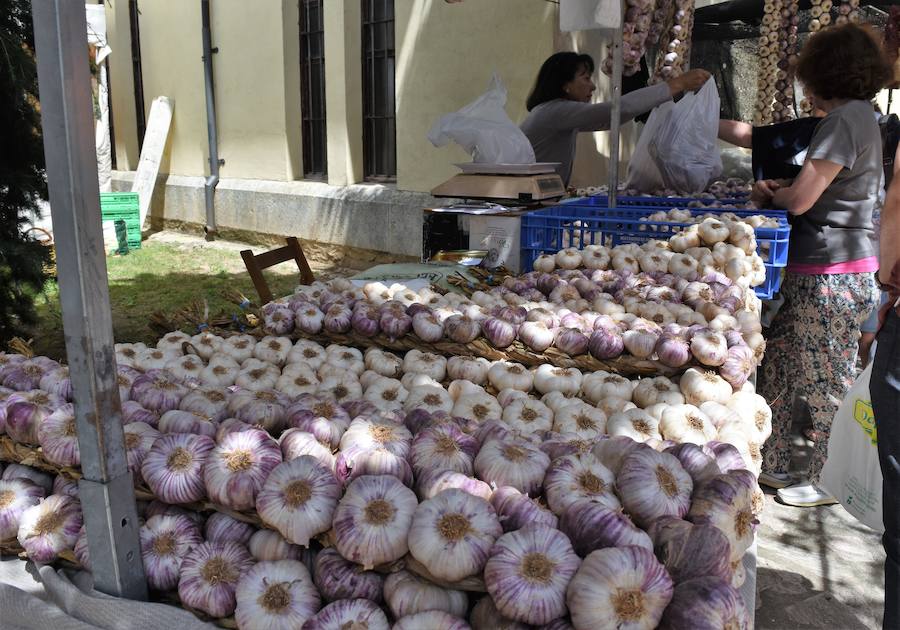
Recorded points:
811,350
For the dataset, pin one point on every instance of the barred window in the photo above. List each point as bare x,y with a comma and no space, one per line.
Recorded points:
379,128
312,89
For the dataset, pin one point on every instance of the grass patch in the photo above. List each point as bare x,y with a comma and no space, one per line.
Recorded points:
159,277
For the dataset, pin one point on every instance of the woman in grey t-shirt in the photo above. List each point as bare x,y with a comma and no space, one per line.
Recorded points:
829,288
560,106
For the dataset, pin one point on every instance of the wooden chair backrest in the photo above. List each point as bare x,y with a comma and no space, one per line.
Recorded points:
256,264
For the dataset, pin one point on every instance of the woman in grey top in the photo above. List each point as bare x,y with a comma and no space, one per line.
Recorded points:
829,287
559,106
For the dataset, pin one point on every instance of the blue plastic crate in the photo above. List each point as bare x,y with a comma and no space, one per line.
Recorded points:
656,202
567,225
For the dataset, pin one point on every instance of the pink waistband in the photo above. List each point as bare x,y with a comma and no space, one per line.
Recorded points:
863,265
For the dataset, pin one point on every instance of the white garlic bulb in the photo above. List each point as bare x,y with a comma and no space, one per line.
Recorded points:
275,595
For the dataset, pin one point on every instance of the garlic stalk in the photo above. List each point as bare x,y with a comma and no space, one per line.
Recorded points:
173,469
528,572
275,595
165,541
49,528
372,520
209,576
298,499
452,533
238,466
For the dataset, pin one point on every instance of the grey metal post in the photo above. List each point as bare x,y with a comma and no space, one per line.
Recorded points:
615,123
212,180
106,491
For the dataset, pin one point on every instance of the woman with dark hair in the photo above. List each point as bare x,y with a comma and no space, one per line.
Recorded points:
829,287
559,106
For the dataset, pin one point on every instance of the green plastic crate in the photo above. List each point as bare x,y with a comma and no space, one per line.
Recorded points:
125,206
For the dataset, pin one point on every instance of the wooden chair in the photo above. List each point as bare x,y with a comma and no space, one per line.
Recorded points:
256,264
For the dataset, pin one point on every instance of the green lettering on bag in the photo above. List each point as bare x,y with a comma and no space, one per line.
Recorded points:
865,418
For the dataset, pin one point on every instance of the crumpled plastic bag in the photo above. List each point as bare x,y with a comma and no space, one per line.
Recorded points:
678,147
484,130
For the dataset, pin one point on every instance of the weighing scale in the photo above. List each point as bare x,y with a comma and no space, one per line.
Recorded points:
514,184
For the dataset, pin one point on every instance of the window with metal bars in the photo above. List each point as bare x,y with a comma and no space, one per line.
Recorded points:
312,89
379,121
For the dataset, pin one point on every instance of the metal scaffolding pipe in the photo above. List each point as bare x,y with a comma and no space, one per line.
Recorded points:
106,488
212,135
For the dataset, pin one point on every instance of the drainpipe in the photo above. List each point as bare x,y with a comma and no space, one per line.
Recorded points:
214,162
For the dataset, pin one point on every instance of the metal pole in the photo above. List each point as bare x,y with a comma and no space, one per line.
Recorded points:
106,490
212,136
615,123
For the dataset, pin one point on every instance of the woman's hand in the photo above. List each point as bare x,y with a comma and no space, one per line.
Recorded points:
690,81
763,192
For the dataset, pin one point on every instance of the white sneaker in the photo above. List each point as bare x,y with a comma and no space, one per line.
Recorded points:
775,480
805,495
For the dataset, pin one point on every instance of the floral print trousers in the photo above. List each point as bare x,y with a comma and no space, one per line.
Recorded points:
811,350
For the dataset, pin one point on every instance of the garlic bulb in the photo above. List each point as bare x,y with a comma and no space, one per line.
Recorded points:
341,388
263,407
16,496
653,484
591,526
127,353
296,442
58,438
237,467
443,447
257,375
600,385
528,572
386,393
337,579
515,463
707,603
508,375
173,341
755,414
536,335
485,616
266,544
273,350
634,423
726,501
691,551
210,402
210,574
157,392
177,421
221,371
26,411
507,396
366,434
165,541
408,594
579,418
173,469
186,369
298,499
297,379
528,416
63,485
431,398
686,423
473,369
709,348
308,353
57,382
50,527
650,391
18,471
238,347
347,614
516,510
452,533
432,483
478,407
548,378
622,587
434,619
700,386
275,595
345,358
206,344
419,362
372,520
579,478
155,359
698,462
222,528
384,363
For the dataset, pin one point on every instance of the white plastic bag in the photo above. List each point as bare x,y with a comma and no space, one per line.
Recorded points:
642,173
484,130
687,150
852,473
